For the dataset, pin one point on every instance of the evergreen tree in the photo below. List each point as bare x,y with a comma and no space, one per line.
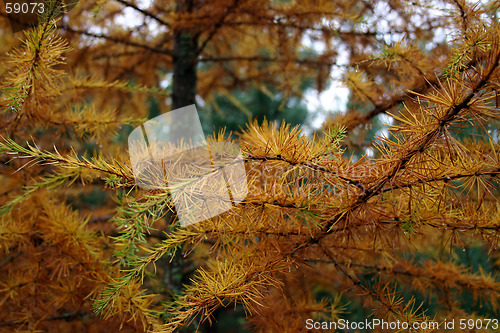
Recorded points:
84,248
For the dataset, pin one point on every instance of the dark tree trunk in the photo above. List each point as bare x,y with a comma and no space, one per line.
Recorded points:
185,61
184,80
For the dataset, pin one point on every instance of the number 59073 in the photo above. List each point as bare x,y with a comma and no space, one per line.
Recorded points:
24,8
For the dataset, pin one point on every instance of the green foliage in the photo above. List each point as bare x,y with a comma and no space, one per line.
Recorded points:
234,110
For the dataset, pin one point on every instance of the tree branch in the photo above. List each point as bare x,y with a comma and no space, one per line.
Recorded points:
423,143
145,13
118,40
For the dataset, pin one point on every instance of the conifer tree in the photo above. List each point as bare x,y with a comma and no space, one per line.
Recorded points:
84,248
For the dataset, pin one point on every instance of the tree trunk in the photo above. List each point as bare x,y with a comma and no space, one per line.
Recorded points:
185,61
184,84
